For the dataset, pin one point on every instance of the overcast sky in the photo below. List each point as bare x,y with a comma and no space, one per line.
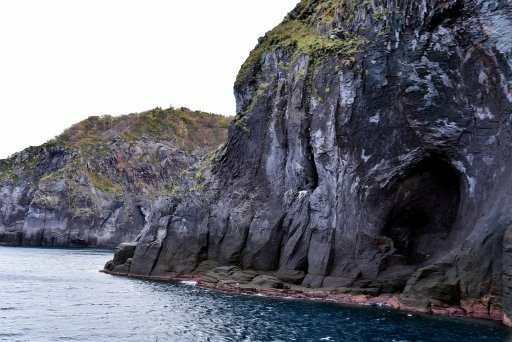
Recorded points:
64,60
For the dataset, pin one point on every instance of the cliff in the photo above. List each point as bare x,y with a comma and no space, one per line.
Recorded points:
93,185
371,151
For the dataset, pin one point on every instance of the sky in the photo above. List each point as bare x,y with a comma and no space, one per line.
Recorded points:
62,61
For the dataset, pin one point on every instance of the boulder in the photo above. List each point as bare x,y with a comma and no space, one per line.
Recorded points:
205,266
225,270
243,276
267,282
291,276
124,252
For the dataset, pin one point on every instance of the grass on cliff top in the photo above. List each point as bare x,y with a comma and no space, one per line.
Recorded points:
6,171
188,129
297,35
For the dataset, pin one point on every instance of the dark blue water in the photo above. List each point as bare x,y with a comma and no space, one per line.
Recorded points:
59,295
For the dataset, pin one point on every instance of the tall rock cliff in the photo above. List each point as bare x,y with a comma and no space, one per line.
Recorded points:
92,185
372,149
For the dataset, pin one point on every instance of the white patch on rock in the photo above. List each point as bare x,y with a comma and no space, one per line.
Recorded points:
409,156
497,25
318,139
446,80
414,44
375,119
470,157
364,156
355,185
468,56
460,166
314,103
444,40
471,180
431,91
412,88
472,185
482,77
302,194
422,10
484,113
507,88
377,166
347,91
162,233
488,160
445,128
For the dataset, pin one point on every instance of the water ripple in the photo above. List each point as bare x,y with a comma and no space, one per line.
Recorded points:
59,295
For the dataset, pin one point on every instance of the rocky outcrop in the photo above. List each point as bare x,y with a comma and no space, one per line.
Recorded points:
371,150
94,184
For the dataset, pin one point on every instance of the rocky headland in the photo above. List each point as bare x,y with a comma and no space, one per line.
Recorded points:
94,185
371,155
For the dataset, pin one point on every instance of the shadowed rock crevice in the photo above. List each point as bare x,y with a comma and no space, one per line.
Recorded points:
426,201
447,16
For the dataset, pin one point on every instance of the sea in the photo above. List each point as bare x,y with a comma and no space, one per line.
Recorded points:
60,295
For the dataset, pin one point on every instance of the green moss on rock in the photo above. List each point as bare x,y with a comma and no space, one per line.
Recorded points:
187,128
105,184
298,36
6,171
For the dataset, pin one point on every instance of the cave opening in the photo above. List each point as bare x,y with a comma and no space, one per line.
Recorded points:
424,210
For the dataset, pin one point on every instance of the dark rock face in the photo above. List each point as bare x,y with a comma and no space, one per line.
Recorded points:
94,184
371,150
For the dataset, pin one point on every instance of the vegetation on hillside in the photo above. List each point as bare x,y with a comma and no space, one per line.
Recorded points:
187,129
299,34
86,148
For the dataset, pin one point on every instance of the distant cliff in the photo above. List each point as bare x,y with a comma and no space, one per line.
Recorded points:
371,151
93,185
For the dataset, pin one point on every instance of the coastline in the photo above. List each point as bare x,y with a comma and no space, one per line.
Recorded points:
481,309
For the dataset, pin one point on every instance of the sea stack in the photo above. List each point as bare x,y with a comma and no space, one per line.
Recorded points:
371,151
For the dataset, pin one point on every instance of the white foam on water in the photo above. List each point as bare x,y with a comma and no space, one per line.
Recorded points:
189,282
